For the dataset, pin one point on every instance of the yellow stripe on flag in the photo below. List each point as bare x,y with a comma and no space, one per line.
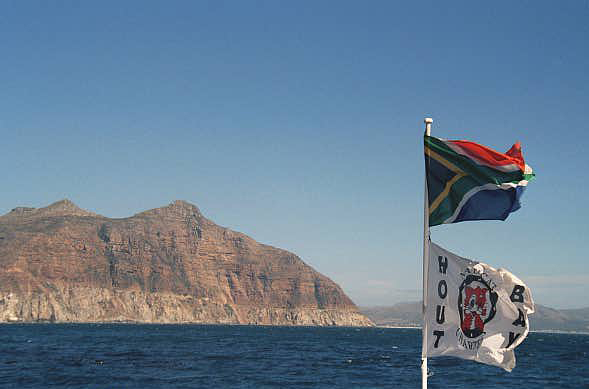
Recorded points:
450,166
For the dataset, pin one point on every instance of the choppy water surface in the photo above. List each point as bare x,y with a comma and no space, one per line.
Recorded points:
194,356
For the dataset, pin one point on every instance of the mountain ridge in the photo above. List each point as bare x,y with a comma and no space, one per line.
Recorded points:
61,263
543,319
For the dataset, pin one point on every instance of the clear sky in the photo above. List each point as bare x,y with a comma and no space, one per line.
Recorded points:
300,124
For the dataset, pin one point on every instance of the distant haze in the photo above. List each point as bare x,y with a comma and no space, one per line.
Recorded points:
544,319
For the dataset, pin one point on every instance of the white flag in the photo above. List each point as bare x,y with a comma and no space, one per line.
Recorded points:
474,311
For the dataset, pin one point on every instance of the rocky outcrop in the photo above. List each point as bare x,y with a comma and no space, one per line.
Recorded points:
171,264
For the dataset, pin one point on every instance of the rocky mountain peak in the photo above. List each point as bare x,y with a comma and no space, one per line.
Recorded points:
181,204
63,207
21,211
176,209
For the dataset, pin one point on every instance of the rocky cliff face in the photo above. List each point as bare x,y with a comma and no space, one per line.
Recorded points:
170,264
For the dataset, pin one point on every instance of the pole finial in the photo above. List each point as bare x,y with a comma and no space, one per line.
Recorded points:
428,125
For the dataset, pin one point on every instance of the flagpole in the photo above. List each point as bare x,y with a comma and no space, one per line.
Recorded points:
424,330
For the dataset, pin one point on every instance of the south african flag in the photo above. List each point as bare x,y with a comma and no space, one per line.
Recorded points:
468,181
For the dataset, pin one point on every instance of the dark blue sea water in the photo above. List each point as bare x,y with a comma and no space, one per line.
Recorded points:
116,356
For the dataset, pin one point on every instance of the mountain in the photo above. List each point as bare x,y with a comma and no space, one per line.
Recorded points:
407,314
171,264
544,319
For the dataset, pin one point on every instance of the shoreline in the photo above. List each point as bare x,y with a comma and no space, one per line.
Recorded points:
543,331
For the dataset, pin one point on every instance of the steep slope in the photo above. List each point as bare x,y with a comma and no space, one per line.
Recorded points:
169,264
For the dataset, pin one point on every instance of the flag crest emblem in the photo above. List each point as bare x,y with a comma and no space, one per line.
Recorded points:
476,305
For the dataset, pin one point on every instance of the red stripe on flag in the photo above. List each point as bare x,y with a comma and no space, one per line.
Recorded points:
493,158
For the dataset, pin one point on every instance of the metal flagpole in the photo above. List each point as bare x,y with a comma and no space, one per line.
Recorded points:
424,329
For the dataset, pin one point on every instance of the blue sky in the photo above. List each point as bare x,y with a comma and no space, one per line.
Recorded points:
300,124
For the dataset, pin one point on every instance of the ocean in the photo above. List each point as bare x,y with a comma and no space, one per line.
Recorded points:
121,356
